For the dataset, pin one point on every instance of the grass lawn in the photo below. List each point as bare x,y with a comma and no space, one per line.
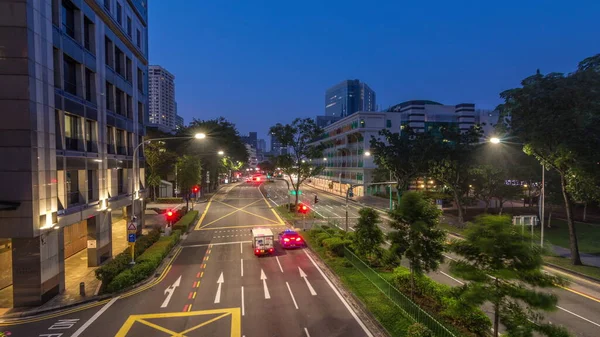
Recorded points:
566,263
376,302
588,235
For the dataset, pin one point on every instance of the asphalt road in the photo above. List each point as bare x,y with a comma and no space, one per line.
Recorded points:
215,286
579,303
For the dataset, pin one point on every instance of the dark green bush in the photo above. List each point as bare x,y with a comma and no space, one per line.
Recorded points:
146,264
418,330
108,271
169,200
320,237
184,223
335,245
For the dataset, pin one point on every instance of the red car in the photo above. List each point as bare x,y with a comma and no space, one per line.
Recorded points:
290,239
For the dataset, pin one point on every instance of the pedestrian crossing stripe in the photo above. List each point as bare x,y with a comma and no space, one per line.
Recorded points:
235,313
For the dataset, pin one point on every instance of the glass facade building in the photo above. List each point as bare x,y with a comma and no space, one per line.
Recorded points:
348,97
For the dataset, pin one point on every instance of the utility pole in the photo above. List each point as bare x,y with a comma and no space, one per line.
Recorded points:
391,202
543,201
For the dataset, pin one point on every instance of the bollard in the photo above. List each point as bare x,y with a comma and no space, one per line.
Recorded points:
82,288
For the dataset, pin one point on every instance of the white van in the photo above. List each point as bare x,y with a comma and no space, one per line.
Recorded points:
262,241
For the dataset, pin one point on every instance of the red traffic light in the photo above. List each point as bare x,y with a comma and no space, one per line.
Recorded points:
195,189
169,214
302,208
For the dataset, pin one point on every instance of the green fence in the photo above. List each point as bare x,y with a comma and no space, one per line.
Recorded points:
407,306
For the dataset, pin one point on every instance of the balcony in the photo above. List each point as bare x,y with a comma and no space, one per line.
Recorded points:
72,144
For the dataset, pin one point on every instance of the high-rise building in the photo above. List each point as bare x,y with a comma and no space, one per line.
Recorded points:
251,139
162,106
348,97
73,106
261,145
179,122
275,146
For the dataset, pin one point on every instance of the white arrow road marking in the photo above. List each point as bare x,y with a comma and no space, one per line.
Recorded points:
170,290
218,295
263,277
310,288
291,294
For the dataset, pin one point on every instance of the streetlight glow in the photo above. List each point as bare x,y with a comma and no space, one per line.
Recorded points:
495,140
324,159
221,153
200,135
367,153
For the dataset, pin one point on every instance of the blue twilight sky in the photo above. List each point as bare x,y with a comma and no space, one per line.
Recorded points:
261,62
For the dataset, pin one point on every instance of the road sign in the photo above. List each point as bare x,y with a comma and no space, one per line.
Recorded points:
130,237
132,226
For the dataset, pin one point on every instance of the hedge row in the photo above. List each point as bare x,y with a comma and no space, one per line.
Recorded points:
184,223
107,272
146,264
441,299
168,200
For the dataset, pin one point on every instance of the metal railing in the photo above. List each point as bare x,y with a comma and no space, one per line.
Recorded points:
408,307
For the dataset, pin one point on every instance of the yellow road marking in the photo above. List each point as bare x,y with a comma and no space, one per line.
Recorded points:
581,294
189,309
207,257
194,296
272,210
228,214
198,285
201,274
203,323
245,226
158,327
204,213
245,211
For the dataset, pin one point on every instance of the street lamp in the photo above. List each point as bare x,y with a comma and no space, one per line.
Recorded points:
496,140
200,135
220,153
367,153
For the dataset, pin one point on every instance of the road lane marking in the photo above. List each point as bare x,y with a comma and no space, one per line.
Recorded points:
263,277
272,210
95,317
241,248
220,282
574,314
291,294
194,296
189,308
243,308
306,332
216,244
245,226
456,280
274,202
277,258
342,299
185,307
310,288
228,214
203,214
201,274
242,267
590,297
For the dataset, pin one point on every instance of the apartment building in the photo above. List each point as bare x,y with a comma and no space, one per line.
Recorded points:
162,107
73,100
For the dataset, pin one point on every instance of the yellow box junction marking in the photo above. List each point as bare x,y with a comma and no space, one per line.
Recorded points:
272,210
236,329
237,209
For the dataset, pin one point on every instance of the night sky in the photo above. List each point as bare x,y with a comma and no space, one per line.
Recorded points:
262,62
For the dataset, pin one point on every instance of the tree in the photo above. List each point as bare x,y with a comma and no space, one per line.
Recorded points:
505,192
267,166
301,135
155,155
189,169
405,155
453,156
417,236
368,236
503,267
557,117
487,180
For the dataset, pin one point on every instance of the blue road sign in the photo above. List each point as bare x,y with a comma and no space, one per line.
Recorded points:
131,238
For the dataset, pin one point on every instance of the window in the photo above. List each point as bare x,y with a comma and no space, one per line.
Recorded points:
57,132
128,69
88,34
138,38
388,124
140,113
140,80
107,5
108,52
89,85
56,58
109,97
119,66
129,26
109,140
89,133
120,142
55,12
91,178
68,18
119,13
120,185
70,75
130,143
129,107
71,132
119,102
72,181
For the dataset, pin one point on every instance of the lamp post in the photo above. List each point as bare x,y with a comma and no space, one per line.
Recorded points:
134,172
496,140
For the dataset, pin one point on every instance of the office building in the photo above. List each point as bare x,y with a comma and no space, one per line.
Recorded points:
323,121
179,122
162,106
276,146
348,139
251,139
348,97
261,145
73,100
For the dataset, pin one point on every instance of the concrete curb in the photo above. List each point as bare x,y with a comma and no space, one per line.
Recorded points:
572,272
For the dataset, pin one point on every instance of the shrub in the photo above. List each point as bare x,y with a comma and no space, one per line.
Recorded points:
169,200
335,245
418,330
320,237
146,263
184,223
108,271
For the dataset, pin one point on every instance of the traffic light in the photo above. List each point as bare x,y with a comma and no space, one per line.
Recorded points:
170,215
302,208
195,189
316,199
350,192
